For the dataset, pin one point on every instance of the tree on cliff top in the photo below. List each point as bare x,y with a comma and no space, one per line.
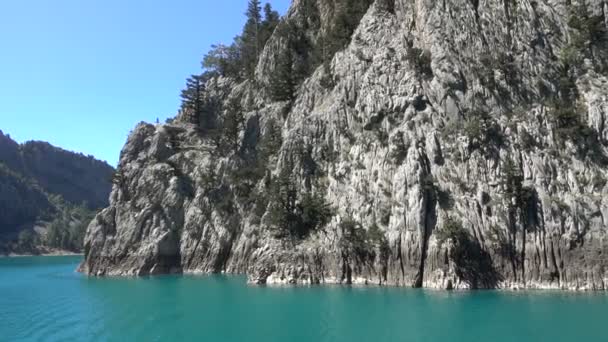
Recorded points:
192,101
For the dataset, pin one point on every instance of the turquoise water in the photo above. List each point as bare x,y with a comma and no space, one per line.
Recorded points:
43,299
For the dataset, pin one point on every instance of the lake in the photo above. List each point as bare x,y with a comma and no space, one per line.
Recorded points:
43,299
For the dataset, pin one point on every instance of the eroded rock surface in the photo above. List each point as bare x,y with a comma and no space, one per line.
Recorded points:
436,111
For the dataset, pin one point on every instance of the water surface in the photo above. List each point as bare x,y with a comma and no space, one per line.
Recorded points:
43,299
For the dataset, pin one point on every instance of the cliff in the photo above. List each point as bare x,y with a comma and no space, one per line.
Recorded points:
47,196
448,144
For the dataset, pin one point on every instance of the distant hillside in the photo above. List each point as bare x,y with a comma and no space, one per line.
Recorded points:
47,196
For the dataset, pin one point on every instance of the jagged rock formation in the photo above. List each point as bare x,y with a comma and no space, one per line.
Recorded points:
42,186
470,134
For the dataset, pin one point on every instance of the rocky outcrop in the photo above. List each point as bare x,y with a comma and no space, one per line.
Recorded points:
457,129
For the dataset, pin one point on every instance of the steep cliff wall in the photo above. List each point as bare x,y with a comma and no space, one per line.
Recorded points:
460,143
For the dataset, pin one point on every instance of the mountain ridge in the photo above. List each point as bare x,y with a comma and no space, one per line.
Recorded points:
47,196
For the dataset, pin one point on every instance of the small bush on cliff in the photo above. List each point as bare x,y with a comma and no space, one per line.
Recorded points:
27,240
483,133
420,60
569,125
296,216
347,15
361,244
271,141
353,242
233,122
472,264
588,34
282,80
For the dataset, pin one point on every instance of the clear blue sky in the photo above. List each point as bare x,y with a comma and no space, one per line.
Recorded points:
81,73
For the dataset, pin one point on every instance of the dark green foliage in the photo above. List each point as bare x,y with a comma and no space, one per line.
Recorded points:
483,133
387,5
378,239
240,58
354,240
335,37
28,240
209,179
249,170
588,38
528,142
224,60
420,60
444,198
232,124
252,42
271,20
61,172
282,80
282,215
256,33
490,63
292,62
589,29
261,204
292,216
67,230
218,193
486,70
569,125
472,264
271,140
192,99
399,151
360,244
506,64
512,182
315,213
21,200
347,15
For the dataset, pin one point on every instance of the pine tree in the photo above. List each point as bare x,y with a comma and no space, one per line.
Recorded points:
271,141
232,125
270,16
192,101
224,60
271,20
282,80
284,196
251,37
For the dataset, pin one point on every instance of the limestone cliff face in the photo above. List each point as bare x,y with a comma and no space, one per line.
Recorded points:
435,112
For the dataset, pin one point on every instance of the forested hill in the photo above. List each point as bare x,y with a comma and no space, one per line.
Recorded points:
47,196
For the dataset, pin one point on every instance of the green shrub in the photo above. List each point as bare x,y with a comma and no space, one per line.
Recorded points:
296,216
420,60
483,133
569,125
472,264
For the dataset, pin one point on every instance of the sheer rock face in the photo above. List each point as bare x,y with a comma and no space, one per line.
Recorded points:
382,141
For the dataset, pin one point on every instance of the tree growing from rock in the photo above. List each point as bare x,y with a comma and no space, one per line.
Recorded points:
192,99
232,125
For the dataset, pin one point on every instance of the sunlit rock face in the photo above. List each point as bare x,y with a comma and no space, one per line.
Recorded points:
437,114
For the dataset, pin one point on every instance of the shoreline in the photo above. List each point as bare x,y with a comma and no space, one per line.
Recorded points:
53,254
334,283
